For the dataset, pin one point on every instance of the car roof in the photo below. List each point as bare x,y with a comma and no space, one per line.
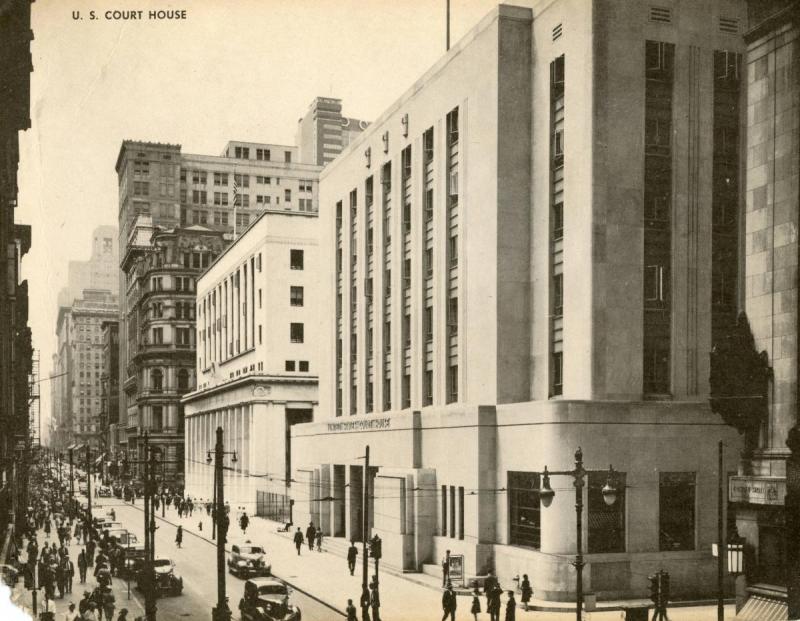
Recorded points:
263,580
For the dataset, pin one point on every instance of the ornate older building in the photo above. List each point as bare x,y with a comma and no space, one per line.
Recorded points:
15,336
161,266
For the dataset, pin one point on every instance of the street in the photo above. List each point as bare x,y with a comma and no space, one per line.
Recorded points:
196,563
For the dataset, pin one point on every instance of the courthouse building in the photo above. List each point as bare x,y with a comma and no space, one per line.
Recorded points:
258,312
534,249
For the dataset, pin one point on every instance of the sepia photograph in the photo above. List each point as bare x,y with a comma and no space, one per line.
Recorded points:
505,290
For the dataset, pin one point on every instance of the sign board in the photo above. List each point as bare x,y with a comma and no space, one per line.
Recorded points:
757,490
456,572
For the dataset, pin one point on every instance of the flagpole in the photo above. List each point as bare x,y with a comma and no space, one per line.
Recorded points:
235,193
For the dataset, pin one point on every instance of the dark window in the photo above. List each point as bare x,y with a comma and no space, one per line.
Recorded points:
158,418
183,379
676,500
290,365
444,521
656,369
524,509
296,259
156,380
558,373
460,512
303,366
296,296
606,522
296,332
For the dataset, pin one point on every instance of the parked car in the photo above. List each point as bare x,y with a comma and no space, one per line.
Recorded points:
267,599
248,560
122,537
134,558
104,491
167,581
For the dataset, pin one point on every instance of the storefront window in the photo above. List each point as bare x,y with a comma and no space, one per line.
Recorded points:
676,499
524,509
606,522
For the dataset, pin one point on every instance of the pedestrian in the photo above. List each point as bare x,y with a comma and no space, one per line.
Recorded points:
83,605
493,602
82,564
123,614
113,515
70,614
446,569
47,528
108,603
476,603
319,540
364,602
298,540
200,526
511,607
351,611
179,536
311,533
352,553
375,602
527,591
244,521
69,573
90,548
61,580
449,603
91,613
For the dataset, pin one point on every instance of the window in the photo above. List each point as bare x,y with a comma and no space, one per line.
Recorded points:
242,153
443,529
303,366
287,195
263,154
296,296
156,380
606,522
452,316
296,332
296,259
524,509
287,156
158,418
428,323
676,500
656,283
452,383
656,369
183,380
558,373
558,295
158,336
182,336
289,365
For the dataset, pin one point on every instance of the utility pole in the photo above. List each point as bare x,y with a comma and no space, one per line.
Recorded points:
448,25
364,538
71,484
579,484
89,484
221,612
149,533
720,539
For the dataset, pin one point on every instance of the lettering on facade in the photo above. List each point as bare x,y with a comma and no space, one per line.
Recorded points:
361,425
757,491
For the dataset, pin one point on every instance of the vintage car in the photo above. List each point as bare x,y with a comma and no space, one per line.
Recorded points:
267,599
246,559
104,491
167,582
117,490
122,537
134,559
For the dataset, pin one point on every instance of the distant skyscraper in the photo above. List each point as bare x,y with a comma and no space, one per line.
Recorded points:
101,271
323,132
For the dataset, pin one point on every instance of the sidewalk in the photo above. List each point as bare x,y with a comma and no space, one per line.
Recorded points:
23,598
325,577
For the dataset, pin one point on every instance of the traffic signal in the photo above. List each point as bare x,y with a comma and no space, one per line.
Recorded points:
375,547
654,595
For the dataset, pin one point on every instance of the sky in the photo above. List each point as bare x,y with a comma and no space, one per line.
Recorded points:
232,70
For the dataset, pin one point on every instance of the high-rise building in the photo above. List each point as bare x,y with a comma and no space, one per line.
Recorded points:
16,64
163,189
101,271
760,491
109,385
529,252
162,267
323,132
258,315
77,406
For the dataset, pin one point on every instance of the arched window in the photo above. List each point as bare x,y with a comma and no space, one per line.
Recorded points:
156,380
183,379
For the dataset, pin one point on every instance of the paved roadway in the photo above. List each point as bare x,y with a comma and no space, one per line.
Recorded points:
196,562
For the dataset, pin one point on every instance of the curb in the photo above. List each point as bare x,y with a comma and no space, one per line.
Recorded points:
213,542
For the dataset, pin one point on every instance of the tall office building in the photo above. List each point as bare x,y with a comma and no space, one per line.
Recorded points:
168,200
532,251
101,271
77,406
323,133
771,76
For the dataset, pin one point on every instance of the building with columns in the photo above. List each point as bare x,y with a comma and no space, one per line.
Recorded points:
258,312
534,249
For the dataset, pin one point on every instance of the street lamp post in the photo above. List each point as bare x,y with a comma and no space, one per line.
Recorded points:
89,485
221,612
546,494
365,537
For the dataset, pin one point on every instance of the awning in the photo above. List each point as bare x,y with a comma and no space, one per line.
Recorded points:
759,608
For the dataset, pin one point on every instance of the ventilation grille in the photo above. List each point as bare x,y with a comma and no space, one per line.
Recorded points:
557,32
729,25
660,14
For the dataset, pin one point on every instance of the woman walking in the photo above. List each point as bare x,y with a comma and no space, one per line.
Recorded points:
179,536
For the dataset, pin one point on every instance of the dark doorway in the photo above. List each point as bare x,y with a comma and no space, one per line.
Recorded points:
294,417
